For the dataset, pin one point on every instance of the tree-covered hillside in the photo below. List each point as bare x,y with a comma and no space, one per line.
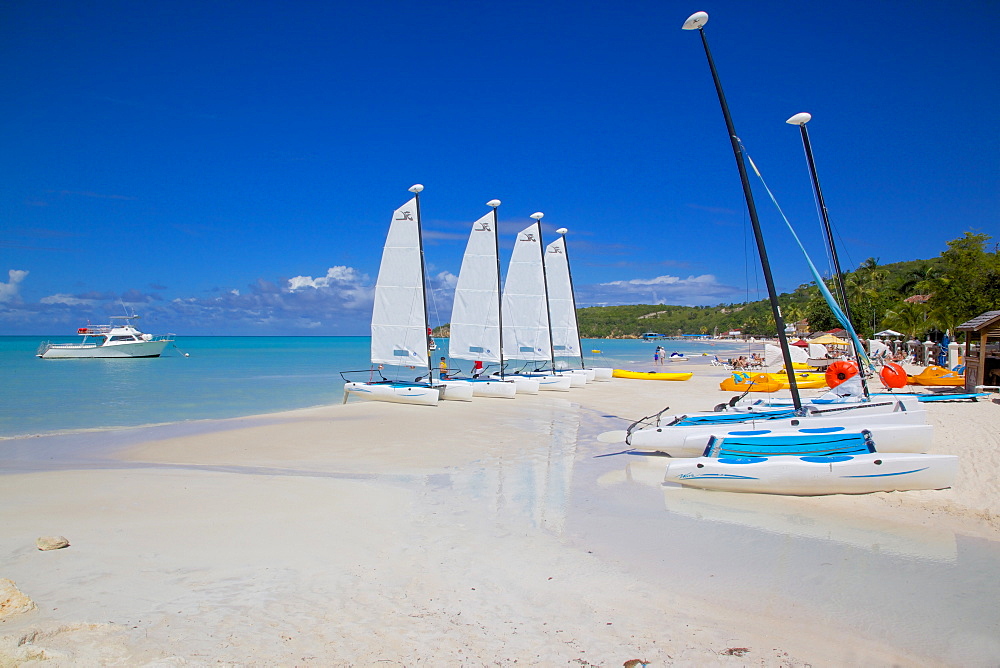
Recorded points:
960,284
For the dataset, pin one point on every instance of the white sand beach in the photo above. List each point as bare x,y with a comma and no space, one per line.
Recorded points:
483,533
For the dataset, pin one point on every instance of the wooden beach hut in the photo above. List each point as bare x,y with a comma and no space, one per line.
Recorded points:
982,366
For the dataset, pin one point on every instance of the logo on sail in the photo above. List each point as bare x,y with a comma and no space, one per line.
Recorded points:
529,236
484,227
405,215
555,249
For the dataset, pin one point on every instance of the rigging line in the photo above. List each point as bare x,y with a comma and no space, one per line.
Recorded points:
820,217
746,275
831,302
819,213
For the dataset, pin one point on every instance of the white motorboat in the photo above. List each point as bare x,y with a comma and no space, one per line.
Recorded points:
117,340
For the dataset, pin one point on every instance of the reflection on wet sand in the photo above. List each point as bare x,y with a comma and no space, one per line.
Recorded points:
791,516
533,484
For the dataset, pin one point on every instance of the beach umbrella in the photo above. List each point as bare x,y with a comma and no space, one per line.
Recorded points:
887,332
801,343
830,339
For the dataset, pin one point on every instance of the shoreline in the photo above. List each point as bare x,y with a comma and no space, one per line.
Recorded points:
479,532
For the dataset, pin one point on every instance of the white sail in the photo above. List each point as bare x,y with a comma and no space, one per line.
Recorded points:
565,337
525,314
475,317
399,319
773,355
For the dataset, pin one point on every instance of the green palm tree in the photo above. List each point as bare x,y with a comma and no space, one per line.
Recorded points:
908,317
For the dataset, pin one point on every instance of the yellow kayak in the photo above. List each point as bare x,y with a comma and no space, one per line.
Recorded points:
652,375
742,382
936,375
803,380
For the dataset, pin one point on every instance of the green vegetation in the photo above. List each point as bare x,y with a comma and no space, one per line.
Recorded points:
962,283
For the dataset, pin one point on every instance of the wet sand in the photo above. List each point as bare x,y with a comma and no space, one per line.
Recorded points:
483,533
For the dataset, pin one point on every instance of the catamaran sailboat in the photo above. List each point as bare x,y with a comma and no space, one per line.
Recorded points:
562,308
475,317
817,459
399,322
527,335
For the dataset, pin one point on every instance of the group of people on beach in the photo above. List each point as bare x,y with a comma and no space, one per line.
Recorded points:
659,355
755,361
445,373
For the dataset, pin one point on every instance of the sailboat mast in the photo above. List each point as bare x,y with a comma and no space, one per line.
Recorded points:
697,22
824,215
572,295
496,251
416,190
801,120
538,215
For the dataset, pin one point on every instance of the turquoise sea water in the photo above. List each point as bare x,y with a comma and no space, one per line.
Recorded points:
222,377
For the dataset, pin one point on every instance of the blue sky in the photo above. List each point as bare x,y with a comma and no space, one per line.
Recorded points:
231,167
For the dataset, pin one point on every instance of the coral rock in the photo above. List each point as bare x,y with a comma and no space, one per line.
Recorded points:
51,543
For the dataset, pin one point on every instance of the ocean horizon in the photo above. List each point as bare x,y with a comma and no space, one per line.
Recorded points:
218,377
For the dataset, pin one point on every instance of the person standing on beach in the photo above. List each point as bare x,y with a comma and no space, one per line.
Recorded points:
443,366
656,356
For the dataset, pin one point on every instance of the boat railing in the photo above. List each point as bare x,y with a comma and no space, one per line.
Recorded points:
371,376
649,421
94,330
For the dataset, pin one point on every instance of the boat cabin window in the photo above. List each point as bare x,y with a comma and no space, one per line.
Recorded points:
123,338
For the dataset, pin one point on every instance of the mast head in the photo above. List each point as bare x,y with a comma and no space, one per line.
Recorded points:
538,215
416,188
562,230
799,119
696,21
494,203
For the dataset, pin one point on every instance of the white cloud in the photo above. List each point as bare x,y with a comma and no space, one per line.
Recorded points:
693,290
68,300
334,275
704,279
9,290
339,302
446,279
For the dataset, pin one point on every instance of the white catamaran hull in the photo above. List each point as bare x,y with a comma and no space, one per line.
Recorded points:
398,394
553,383
811,476
497,389
877,403
602,373
888,438
108,350
675,439
457,390
523,384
